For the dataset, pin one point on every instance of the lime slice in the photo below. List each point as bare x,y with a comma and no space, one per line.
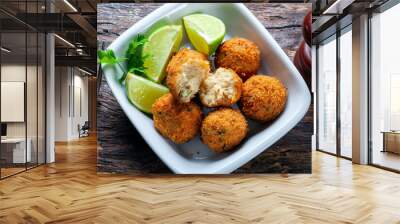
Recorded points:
205,32
142,92
161,44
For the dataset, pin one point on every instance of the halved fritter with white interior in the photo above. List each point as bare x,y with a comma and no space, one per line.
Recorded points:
222,88
185,72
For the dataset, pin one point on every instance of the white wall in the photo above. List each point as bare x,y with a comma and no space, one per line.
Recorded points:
10,73
80,103
33,126
16,72
70,83
62,81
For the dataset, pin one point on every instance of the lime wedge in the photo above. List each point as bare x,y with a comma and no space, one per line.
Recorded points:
142,92
161,44
205,32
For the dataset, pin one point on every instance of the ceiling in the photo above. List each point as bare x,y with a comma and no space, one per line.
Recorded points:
74,22
15,42
329,16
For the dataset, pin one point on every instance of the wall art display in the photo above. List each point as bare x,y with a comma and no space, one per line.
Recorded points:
203,88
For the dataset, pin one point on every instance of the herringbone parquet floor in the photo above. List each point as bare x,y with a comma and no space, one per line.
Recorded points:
70,191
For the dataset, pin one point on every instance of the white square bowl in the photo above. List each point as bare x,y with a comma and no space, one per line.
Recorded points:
194,157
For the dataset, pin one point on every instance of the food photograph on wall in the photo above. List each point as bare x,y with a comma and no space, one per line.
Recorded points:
204,88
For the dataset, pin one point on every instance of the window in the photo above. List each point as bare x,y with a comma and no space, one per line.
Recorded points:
327,96
22,101
385,89
334,106
346,93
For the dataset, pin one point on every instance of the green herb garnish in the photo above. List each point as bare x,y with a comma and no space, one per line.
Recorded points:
107,57
134,58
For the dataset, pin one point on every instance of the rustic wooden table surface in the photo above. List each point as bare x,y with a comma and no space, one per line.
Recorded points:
120,146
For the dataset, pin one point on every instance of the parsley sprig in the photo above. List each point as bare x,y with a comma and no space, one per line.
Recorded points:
133,57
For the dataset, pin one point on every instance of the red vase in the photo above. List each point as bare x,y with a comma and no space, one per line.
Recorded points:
307,28
302,61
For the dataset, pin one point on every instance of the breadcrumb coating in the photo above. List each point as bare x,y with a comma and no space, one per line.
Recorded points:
224,129
176,121
263,98
240,55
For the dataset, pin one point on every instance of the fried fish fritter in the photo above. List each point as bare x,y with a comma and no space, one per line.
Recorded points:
222,88
176,121
223,129
240,55
263,98
185,72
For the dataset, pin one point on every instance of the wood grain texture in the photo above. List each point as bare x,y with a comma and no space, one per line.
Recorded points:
71,191
122,149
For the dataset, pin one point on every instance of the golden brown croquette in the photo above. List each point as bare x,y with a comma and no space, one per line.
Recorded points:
176,121
222,88
223,129
185,72
240,55
263,98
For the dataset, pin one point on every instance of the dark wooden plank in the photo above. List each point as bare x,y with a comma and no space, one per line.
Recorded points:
120,146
